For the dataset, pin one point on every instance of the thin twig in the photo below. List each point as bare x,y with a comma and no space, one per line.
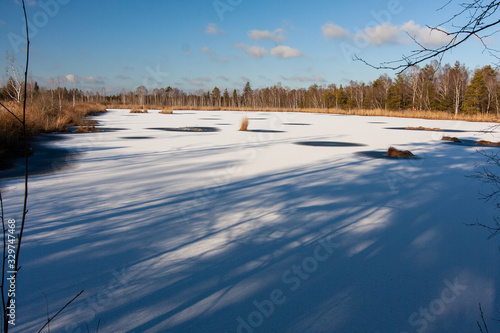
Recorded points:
483,320
4,258
25,134
12,113
58,312
47,306
478,13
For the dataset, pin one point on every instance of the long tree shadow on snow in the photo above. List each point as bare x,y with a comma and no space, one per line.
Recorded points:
390,233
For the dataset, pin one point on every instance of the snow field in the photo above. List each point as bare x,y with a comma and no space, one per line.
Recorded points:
234,231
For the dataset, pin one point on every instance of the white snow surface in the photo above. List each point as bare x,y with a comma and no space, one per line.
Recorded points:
233,231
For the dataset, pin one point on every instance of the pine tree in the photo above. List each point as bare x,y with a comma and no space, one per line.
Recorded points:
216,96
247,93
340,98
225,98
475,99
399,94
236,99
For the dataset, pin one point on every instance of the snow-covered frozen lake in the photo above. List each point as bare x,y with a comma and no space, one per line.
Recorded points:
293,226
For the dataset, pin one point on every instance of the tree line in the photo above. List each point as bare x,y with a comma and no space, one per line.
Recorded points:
433,87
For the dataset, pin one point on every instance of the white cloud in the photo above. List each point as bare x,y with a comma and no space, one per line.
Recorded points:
331,30
283,51
276,35
425,35
71,78
252,51
78,79
222,77
386,33
212,29
381,34
206,50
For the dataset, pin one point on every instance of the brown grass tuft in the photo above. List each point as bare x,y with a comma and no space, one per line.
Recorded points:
488,143
244,124
43,115
136,110
399,153
423,128
450,138
167,111
87,128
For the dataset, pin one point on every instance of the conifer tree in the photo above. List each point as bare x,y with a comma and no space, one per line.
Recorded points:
476,94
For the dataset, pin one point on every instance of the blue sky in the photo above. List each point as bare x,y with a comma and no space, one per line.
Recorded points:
196,45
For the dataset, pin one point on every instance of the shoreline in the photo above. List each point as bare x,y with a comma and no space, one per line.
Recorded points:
418,114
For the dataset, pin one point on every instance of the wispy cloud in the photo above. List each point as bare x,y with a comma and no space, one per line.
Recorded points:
252,51
212,29
220,59
284,52
206,50
28,2
123,77
222,77
198,81
92,80
276,36
314,78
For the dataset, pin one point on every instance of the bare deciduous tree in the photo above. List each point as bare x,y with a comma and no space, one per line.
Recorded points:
15,83
475,19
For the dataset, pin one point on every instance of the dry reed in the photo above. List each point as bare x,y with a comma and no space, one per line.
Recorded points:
399,153
419,114
244,124
43,115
